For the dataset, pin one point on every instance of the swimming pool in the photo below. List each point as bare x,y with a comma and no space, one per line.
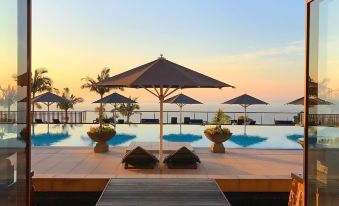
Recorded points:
263,137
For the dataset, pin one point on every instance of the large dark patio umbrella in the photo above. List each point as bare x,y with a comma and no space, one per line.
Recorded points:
181,100
245,101
115,99
48,99
161,78
312,101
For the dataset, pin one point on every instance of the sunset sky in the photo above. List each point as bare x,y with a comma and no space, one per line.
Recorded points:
257,46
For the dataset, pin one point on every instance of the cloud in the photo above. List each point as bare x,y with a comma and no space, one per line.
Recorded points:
292,49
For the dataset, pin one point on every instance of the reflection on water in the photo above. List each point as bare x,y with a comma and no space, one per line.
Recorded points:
246,140
257,136
182,137
295,137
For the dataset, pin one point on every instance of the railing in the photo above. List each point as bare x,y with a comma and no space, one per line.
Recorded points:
263,118
323,119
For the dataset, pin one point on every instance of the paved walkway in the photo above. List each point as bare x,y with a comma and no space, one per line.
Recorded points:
82,162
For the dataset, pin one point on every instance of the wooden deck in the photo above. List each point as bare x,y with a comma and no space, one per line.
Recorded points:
164,192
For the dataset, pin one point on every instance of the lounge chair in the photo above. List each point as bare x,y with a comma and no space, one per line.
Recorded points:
149,121
121,121
187,120
283,122
183,158
56,121
96,121
38,121
139,158
196,121
174,120
240,122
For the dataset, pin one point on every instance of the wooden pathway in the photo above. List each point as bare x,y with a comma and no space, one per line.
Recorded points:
162,192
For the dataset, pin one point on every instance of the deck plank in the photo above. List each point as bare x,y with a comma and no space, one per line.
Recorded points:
164,192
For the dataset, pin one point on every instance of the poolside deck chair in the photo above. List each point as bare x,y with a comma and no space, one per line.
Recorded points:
38,121
139,158
183,158
187,120
149,121
56,121
174,120
121,121
196,121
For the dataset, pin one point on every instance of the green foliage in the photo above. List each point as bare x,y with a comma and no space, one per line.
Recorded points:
72,100
41,83
101,130
8,97
90,83
217,131
296,118
242,117
220,118
127,110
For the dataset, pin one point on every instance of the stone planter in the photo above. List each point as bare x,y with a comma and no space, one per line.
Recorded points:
218,139
101,138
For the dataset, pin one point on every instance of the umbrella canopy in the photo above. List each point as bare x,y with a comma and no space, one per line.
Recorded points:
245,100
181,100
312,101
115,99
162,75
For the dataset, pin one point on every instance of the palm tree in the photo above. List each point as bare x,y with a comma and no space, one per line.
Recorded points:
72,100
40,83
90,83
8,97
128,109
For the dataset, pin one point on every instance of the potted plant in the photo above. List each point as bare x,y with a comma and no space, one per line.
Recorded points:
101,135
217,134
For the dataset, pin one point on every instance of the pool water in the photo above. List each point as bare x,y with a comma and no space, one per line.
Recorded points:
263,137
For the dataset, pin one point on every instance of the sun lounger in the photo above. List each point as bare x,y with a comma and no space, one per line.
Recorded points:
56,121
183,158
139,158
283,122
149,121
174,120
187,120
196,121
38,121
121,121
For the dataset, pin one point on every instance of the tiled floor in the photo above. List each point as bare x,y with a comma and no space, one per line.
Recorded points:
82,162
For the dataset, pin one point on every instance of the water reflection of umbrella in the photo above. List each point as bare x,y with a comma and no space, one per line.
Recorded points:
45,139
182,137
181,100
245,101
161,78
294,137
121,139
115,99
247,140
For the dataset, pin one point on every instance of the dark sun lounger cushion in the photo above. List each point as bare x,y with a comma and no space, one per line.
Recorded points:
183,158
139,158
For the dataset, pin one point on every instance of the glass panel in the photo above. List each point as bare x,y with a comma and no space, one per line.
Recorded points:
323,103
14,145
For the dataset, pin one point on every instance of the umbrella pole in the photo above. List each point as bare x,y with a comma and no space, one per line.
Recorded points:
161,98
48,112
180,116
245,119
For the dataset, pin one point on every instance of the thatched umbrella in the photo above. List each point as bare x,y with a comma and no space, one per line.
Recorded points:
115,99
161,78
